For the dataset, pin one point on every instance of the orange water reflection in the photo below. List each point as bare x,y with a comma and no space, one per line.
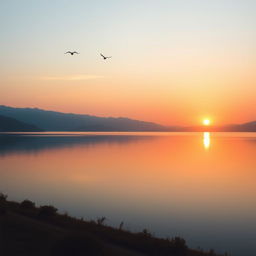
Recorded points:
170,183
207,140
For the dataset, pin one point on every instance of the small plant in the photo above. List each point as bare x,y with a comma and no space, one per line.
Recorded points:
121,225
146,233
100,221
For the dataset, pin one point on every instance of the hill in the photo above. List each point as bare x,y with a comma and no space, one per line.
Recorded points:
57,121
8,124
246,127
29,230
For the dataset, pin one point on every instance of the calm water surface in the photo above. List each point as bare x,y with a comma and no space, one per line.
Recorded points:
200,186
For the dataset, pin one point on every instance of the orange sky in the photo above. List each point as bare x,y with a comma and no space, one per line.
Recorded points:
173,64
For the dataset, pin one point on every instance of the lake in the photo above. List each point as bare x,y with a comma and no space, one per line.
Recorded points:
200,186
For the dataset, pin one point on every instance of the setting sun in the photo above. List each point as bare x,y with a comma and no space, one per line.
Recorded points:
206,121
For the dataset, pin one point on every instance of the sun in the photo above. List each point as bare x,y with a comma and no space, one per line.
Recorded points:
206,122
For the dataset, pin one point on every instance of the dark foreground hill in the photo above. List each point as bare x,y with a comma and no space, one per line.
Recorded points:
26,230
8,124
57,121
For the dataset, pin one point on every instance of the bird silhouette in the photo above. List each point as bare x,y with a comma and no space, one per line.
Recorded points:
104,57
72,53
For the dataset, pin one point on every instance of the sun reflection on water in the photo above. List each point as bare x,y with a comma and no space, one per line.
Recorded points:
207,140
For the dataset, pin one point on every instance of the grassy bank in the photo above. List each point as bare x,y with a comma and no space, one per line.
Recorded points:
29,230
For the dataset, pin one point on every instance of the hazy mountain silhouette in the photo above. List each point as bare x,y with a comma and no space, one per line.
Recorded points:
8,124
245,127
57,121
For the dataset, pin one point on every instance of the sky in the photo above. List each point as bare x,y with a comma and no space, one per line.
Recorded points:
174,62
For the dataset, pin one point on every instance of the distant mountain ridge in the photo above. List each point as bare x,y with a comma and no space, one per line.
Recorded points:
245,127
8,124
57,121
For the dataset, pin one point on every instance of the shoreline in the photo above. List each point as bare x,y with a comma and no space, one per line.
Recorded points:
61,233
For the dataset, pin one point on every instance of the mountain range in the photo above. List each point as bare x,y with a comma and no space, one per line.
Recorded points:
8,124
34,119
57,121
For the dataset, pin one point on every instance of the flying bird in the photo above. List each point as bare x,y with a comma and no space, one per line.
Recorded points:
104,57
72,53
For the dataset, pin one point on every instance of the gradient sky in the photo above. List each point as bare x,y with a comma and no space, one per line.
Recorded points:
174,61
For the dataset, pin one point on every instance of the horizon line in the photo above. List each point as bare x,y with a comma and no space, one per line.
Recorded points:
124,117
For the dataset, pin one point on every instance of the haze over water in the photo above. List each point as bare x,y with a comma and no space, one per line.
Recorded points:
200,186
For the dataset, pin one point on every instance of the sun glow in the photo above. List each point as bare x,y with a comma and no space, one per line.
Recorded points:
206,122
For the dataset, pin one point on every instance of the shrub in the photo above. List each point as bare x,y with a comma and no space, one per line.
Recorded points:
47,211
179,242
179,246
3,197
27,204
146,233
